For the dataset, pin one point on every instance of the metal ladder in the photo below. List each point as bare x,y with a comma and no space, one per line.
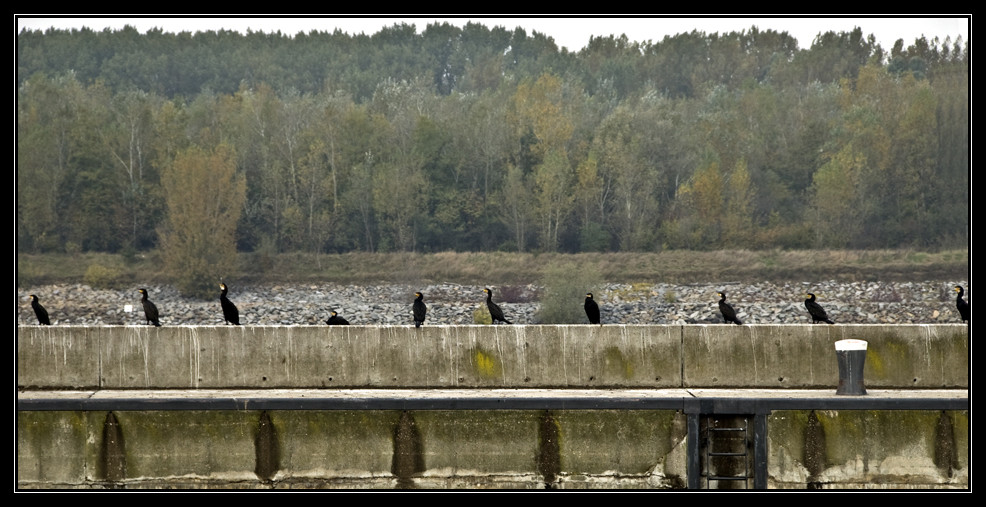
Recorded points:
710,453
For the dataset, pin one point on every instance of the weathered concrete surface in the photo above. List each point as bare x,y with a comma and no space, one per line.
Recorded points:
351,449
55,355
856,449
478,449
767,356
803,356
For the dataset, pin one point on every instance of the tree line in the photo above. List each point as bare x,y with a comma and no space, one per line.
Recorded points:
480,139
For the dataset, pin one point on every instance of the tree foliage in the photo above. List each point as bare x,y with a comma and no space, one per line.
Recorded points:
204,196
479,138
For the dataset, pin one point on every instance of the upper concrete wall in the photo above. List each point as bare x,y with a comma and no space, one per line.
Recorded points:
794,356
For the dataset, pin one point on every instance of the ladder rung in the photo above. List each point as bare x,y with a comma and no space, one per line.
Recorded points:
727,478
727,453
727,429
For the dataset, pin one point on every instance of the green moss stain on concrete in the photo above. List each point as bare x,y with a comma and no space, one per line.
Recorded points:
867,446
174,443
628,442
617,365
334,443
487,365
481,443
874,435
54,448
889,350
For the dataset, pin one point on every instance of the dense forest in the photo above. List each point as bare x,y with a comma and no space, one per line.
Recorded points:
481,138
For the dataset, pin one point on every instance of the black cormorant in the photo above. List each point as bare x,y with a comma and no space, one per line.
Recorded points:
495,312
728,313
150,311
336,320
591,309
42,314
419,309
961,304
816,311
230,313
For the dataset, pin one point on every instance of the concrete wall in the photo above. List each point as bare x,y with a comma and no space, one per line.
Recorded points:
479,449
750,356
868,449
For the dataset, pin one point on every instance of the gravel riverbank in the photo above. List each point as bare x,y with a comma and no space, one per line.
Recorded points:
926,302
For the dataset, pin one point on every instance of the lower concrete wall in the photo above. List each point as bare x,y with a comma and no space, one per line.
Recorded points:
621,356
868,449
480,449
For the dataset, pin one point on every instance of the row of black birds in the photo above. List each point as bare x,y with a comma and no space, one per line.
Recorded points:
420,310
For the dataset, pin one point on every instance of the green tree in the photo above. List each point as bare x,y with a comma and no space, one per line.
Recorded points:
46,111
516,204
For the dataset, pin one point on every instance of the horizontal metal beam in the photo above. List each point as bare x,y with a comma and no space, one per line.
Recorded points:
746,403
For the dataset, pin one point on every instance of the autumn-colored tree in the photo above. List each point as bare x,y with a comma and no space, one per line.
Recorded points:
737,222
704,204
204,197
836,211
538,114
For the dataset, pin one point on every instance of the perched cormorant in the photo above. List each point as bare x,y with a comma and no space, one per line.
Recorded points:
336,320
495,312
419,309
591,309
961,304
150,311
42,314
816,311
728,313
230,313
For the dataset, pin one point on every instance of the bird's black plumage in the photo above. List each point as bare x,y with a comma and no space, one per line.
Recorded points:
230,314
728,313
150,311
961,304
591,309
495,312
420,309
816,311
336,320
40,311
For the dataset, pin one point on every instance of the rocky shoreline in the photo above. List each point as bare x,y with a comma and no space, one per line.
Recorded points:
926,302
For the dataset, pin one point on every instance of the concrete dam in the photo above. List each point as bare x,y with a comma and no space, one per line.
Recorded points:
490,407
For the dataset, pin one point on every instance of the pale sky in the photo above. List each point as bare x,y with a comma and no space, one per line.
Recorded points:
570,32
